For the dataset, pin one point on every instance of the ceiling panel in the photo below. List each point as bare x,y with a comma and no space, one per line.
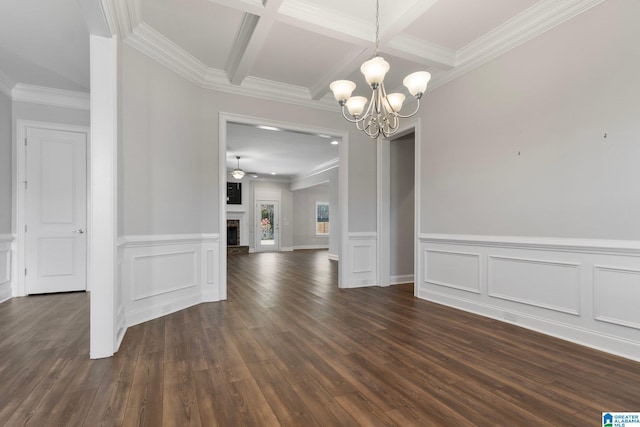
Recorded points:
204,29
296,56
285,152
456,23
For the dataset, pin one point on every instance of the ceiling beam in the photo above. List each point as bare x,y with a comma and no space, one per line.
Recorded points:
351,61
251,37
399,21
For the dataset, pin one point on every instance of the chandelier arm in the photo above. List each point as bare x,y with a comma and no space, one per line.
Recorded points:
354,120
412,114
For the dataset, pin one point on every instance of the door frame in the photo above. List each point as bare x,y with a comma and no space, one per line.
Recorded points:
19,196
343,186
383,212
256,214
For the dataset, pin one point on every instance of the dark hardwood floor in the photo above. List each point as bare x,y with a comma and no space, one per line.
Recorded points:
290,348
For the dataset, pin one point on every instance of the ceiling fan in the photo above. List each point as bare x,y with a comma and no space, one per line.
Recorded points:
238,173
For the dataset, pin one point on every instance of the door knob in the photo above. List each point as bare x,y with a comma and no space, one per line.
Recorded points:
79,231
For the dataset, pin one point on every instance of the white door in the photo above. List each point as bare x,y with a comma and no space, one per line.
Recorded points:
267,226
56,211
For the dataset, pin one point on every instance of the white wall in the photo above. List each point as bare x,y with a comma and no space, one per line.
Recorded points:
304,216
529,213
516,147
332,177
161,132
402,236
5,164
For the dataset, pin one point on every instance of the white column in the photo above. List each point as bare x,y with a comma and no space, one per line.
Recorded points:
102,225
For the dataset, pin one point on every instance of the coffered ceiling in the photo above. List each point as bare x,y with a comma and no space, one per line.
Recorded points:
277,49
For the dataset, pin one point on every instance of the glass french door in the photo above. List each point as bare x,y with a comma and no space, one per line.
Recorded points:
267,226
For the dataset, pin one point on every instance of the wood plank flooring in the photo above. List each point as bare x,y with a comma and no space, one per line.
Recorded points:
289,348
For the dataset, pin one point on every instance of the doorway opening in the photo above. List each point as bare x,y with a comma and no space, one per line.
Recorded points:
274,231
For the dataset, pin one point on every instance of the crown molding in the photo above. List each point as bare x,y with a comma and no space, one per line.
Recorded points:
153,44
317,170
6,84
431,54
50,96
156,46
523,27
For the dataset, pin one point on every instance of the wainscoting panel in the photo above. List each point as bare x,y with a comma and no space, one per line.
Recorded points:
585,291
455,270
546,284
362,252
6,260
161,273
617,296
164,274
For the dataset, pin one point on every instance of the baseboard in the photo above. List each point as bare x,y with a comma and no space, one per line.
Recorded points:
401,279
5,292
579,290
7,258
309,247
588,338
135,317
334,257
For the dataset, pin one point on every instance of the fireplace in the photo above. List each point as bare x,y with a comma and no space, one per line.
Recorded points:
233,232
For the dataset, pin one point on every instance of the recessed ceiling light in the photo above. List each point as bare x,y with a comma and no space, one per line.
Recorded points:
273,173
267,127
335,142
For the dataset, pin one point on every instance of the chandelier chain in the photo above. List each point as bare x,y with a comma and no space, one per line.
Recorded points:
377,27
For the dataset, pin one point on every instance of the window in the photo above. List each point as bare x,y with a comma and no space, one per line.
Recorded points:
322,219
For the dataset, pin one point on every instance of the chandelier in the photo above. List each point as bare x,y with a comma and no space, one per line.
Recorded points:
237,172
382,115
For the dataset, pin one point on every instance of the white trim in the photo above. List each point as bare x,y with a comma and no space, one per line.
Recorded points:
133,241
531,23
599,341
103,278
572,265
613,247
6,238
125,18
317,170
309,247
334,257
363,235
401,279
50,96
156,46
